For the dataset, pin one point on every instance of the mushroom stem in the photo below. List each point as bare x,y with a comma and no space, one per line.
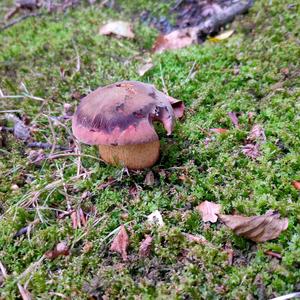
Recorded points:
132,156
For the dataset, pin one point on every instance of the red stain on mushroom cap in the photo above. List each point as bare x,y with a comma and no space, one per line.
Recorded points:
122,113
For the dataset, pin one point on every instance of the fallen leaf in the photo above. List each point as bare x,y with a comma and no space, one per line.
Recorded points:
252,150
156,218
119,28
149,179
234,119
209,211
120,243
223,36
219,130
256,228
142,70
60,249
296,185
257,134
145,246
176,39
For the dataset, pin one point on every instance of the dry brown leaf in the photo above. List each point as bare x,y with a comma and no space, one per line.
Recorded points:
209,211
120,243
119,28
252,150
234,119
256,228
142,70
296,185
257,133
145,246
219,130
176,39
60,249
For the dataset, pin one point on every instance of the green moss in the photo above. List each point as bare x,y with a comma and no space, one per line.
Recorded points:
42,54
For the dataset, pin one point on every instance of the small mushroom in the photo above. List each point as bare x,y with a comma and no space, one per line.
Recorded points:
118,118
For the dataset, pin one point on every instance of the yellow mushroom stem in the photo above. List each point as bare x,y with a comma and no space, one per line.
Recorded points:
134,156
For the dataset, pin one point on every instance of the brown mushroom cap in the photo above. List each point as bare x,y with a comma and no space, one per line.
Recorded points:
122,113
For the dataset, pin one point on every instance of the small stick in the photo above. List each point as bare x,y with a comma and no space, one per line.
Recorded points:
42,145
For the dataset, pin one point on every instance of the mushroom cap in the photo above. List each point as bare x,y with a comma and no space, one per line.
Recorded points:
122,113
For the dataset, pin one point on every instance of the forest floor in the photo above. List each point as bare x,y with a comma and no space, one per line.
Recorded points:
53,60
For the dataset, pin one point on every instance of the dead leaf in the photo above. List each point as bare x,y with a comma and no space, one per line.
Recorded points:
257,134
156,218
149,179
119,28
256,228
120,243
223,36
252,150
209,211
296,185
234,119
176,39
145,246
60,249
219,130
142,70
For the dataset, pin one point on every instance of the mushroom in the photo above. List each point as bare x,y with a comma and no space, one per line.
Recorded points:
118,118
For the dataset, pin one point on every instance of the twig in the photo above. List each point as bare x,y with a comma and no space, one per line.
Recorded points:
42,145
22,96
162,80
10,111
53,136
18,20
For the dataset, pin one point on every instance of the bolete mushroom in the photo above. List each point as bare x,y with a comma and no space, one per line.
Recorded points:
118,118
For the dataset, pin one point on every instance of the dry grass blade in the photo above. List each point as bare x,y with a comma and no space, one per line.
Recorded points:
256,228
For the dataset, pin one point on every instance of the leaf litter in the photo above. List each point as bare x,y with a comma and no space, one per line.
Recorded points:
209,211
120,243
256,228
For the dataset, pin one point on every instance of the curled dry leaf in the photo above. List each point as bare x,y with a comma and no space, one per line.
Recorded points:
234,119
256,228
257,133
145,246
156,218
119,28
142,70
209,211
252,150
60,249
176,39
296,185
222,36
120,243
